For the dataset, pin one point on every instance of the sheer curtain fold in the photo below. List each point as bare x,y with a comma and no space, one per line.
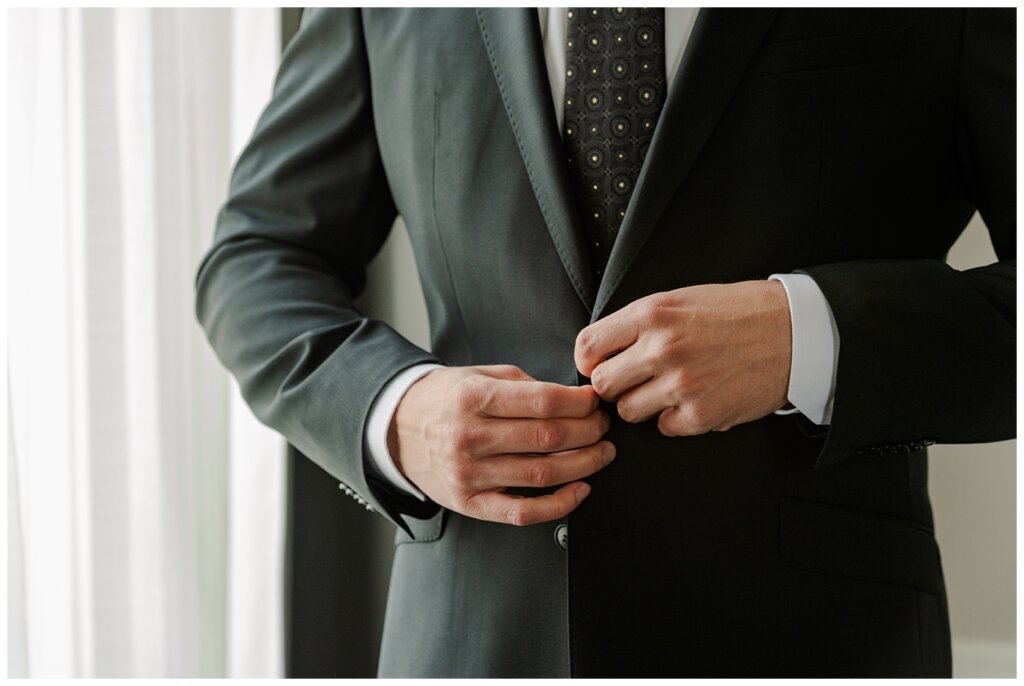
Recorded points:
136,473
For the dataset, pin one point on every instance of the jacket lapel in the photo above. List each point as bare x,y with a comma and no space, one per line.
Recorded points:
513,42
721,46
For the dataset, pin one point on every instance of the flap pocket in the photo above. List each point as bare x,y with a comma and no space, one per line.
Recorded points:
828,52
423,530
860,544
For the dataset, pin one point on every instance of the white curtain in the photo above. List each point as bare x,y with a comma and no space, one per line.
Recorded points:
145,504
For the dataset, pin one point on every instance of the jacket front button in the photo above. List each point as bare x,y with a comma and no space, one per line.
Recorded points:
562,536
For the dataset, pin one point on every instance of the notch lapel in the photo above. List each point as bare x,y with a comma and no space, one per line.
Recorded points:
513,42
721,46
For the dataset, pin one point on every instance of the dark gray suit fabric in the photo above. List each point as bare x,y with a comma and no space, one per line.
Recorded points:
851,144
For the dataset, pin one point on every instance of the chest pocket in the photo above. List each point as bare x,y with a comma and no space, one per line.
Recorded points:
830,52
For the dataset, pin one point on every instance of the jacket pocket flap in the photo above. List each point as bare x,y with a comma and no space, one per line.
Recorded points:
860,544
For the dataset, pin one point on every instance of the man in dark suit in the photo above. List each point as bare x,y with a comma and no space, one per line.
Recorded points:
726,217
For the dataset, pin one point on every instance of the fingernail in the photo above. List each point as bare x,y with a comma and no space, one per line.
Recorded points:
582,491
609,452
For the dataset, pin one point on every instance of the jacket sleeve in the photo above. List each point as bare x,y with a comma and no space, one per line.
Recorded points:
927,353
308,207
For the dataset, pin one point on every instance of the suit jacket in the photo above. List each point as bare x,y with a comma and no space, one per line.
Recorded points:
853,145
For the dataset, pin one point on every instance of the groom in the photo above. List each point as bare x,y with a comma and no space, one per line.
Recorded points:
644,236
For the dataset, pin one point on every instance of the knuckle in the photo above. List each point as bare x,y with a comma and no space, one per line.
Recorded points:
663,348
516,515
599,380
651,311
698,417
543,404
467,393
549,435
508,371
585,343
627,411
540,474
467,505
463,439
667,424
461,474
682,380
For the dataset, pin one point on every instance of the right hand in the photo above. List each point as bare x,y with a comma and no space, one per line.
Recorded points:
465,434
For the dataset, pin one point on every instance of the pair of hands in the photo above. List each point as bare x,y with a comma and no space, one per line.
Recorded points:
703,358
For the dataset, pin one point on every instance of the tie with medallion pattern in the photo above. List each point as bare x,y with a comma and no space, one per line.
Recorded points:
614,90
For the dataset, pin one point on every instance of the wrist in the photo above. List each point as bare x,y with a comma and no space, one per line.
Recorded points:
781,329
381,442
405,427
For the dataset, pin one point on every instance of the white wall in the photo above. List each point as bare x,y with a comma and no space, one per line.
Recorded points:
974,490
973,487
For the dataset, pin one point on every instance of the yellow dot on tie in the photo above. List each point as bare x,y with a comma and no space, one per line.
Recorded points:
568,102
620,39
618,98
594,13
621,155
569,72
622,213
597,215
619,68
597,244
571,14
646,95
594,71
593,41
593,129
595,187
593,100
569,131
570,43
620,126
645,35
645,66
620,10
621,184
647,124
593,158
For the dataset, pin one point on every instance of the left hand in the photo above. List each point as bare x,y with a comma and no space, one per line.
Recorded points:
703,358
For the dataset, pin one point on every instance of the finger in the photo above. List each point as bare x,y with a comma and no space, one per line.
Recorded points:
496,506
541,435
604,338
646,400
536,399
539,470
689,419
504,371
629,368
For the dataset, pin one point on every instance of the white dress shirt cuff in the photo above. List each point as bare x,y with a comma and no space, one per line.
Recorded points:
379,421
815,357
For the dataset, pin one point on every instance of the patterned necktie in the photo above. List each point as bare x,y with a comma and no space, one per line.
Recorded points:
614,90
